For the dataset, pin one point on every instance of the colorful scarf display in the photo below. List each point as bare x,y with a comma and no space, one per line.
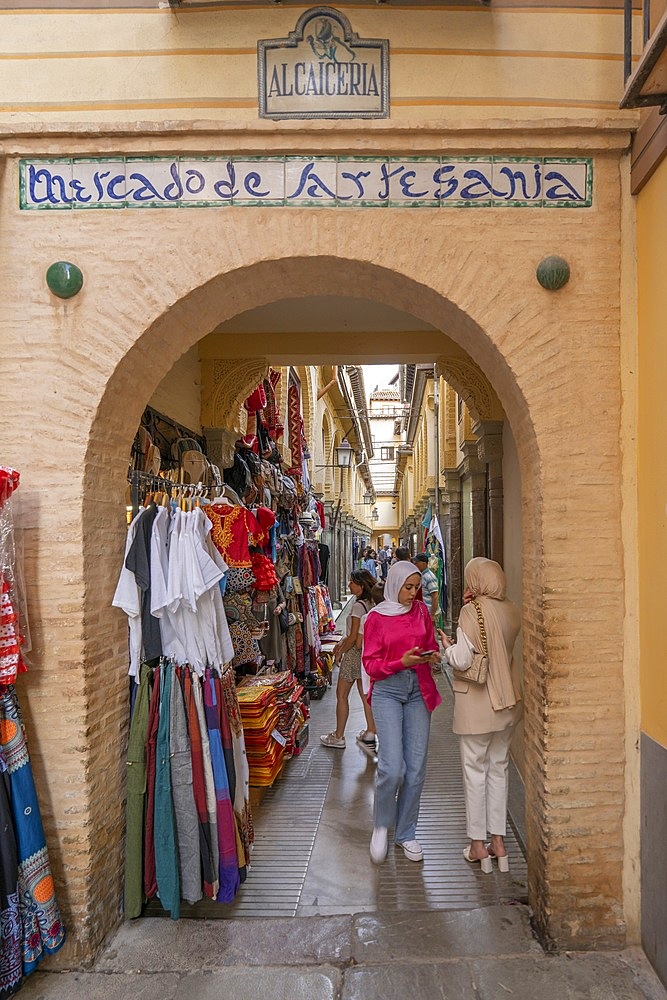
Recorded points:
36,926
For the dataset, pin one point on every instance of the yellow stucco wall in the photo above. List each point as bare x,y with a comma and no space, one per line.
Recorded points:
125,64
179,393
652,305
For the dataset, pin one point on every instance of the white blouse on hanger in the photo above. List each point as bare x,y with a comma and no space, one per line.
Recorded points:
172,645
186,570
128,598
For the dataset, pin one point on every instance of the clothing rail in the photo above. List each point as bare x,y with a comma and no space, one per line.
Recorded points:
142,483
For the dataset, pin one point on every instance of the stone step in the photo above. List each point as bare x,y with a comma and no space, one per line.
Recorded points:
160,944
483,954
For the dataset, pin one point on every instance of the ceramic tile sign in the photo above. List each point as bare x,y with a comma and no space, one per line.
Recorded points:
427,182
323,70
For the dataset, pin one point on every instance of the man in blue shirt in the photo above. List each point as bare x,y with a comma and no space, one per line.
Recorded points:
430,588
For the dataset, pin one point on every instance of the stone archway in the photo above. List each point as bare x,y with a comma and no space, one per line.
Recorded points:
126,343
540,657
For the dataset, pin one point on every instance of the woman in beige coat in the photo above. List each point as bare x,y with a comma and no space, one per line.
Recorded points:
485,715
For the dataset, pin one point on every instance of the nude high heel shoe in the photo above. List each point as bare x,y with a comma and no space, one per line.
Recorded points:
502,859
485,863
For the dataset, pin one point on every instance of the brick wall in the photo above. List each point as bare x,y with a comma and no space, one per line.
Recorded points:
78,374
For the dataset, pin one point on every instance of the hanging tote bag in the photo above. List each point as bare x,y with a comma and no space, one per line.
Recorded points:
478,670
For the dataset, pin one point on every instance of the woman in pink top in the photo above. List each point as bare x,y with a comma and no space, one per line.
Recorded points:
399,648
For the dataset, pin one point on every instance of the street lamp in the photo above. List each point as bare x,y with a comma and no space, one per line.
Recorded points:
375,516
368,499
344,455
343,461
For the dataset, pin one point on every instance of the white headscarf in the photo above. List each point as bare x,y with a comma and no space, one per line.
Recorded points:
396,577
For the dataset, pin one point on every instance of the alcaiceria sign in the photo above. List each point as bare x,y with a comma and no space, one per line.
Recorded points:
323,70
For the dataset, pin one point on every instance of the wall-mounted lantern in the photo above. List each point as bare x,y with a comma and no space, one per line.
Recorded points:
344,454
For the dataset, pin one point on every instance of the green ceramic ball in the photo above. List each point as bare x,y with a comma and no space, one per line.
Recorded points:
553,273
64,279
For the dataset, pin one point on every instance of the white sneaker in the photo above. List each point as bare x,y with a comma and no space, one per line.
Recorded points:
412,849
379,845
331,740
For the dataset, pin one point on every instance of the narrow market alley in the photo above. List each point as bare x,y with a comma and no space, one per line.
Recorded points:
336,875
313,828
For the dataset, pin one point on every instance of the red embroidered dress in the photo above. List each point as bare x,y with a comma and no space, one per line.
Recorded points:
11,635
11,661
234,529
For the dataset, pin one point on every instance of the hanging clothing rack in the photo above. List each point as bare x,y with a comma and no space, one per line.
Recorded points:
143,483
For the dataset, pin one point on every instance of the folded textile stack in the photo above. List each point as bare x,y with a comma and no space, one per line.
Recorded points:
329,641
292,712
260,714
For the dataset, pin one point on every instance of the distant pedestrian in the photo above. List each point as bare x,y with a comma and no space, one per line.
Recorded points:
430,586
384,563
347,652
370,563
401,554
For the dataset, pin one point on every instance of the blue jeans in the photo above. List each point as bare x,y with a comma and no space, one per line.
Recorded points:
403,723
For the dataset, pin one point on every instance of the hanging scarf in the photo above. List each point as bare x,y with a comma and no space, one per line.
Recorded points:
42,930
295,425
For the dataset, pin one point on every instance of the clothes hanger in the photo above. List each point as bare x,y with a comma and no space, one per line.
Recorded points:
227,497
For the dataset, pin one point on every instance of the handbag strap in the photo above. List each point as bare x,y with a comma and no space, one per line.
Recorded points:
482,630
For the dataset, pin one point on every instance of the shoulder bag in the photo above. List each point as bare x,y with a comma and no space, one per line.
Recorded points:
479,668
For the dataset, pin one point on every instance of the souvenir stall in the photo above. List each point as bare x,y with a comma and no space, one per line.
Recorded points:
222,587
30,922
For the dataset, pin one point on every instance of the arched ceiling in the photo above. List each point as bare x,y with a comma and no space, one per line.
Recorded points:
324,314
335,329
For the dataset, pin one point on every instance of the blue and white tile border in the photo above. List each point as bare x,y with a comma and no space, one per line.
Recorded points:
492,181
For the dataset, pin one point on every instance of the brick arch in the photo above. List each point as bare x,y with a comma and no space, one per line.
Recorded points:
233,383
202,308
472,385
155,324
327,452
